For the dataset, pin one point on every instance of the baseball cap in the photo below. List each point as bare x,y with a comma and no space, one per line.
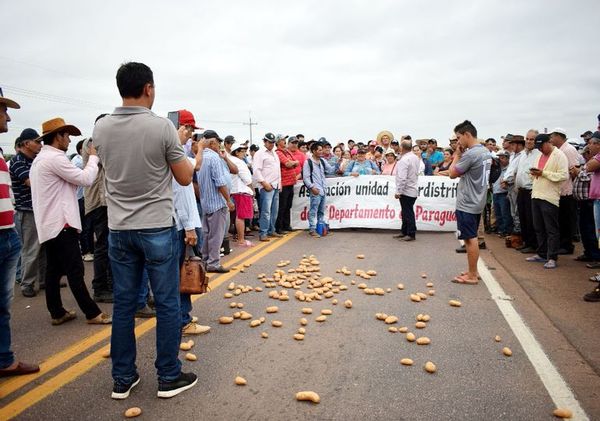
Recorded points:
596,135
292,139
211,134
186,118
238,145
269,137
586,134
229,139
8,102
560,131
541,139
28,134
394,142
279,137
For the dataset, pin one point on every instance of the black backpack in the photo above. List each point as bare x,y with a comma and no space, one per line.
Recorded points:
495,171
312,167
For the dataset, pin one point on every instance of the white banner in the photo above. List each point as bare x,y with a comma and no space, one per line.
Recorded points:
367,201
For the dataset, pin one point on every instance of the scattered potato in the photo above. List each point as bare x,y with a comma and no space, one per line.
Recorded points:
388,290
258,289
362,286
455,303
303,321
429,284
348,304
237,315
301,330
497,338
562,413
255,323
390,320
419,317
308,396
360,256
353,282
381,316
400,286
240,305
506,351
276,323
423,275
431,292
106,353
430,367
133,412
307,310
231,286
379,291
240,381
420,325
272,309
369,291
184,346
406,361
426,317
262,319
245,316
233,305
225,320
327,312
247,265
423,340
415,298
403,329
284,298
228,295
393,329
334,301
299,337
264,335
410,337
238,291
190,357
371,272
422,296
321,318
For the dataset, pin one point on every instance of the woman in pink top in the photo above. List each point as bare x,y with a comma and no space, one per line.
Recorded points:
389,167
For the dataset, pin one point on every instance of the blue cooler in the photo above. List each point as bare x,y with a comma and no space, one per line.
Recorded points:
322,228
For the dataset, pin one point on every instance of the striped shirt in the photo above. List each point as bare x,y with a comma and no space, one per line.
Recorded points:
7,212
210,177
19,174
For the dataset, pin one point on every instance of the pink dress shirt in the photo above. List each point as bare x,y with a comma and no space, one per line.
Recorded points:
267,168
54,181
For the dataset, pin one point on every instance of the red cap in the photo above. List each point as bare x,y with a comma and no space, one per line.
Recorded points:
186,118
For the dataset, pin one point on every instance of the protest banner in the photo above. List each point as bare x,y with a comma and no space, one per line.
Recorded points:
368,201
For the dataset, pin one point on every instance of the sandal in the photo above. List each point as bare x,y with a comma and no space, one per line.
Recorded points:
246,243
462,279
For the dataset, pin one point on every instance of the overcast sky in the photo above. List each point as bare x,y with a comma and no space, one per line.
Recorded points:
339,69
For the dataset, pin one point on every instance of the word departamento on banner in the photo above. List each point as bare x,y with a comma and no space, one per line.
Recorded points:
368,201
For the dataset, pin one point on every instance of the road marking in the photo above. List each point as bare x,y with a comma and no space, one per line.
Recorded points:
556,386
65,377
11,385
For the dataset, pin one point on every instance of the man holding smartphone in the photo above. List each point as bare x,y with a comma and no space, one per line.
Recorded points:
549,172
471,162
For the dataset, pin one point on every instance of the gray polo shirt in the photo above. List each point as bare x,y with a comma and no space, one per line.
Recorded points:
136,148
474,166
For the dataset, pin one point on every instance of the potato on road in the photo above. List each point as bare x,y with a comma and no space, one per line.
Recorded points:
308,396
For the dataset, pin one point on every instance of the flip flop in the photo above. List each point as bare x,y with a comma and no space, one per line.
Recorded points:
464,273
246,243
464,281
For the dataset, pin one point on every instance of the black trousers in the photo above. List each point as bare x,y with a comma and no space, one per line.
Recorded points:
567,220
286,196
409,224
547,231
526,218
64,258
102,281
86,237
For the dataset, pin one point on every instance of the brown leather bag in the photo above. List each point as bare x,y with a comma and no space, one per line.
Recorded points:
192,277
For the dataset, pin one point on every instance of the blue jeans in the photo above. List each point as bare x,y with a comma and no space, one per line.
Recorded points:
502,211
10,250
587,229
316,210
269,207
130,251
185,299
597,219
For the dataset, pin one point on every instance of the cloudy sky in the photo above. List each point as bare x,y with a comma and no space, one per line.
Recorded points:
339,69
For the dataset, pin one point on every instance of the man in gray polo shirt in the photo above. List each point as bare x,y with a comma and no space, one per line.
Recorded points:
141,153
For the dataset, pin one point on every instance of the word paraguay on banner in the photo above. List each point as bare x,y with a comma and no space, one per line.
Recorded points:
367,201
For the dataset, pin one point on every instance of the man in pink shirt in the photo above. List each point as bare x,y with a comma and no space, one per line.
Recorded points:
593,167
54,181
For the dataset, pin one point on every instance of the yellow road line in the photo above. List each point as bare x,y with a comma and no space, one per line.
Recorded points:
65,377
11,385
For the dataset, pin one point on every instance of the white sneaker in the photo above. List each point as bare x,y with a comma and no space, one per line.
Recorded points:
88,257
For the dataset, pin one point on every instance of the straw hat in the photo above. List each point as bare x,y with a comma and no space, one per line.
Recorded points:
58,125
383,133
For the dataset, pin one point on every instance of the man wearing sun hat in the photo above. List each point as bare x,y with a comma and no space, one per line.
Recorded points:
10,248
54,181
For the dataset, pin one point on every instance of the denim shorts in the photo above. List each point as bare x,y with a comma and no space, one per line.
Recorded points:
467,224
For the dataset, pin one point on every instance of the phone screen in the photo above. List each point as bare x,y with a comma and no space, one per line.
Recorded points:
174,117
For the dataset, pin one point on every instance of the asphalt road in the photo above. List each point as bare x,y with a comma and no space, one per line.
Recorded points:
351,360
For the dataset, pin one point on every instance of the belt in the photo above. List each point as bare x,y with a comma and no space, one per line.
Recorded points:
524,189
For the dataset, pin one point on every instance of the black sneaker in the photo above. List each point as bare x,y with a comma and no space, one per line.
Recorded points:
183,383
121,391
28,292
593,296
103,297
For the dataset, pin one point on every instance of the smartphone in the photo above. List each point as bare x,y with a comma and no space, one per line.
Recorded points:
174,117
533,168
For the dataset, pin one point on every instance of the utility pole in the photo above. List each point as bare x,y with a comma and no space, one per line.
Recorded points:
250,123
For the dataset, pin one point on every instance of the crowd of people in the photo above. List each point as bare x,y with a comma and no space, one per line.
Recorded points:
137,219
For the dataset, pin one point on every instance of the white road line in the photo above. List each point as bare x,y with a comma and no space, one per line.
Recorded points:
556,386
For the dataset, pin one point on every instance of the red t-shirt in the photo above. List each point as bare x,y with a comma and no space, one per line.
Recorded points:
300,157
288,175
543,160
